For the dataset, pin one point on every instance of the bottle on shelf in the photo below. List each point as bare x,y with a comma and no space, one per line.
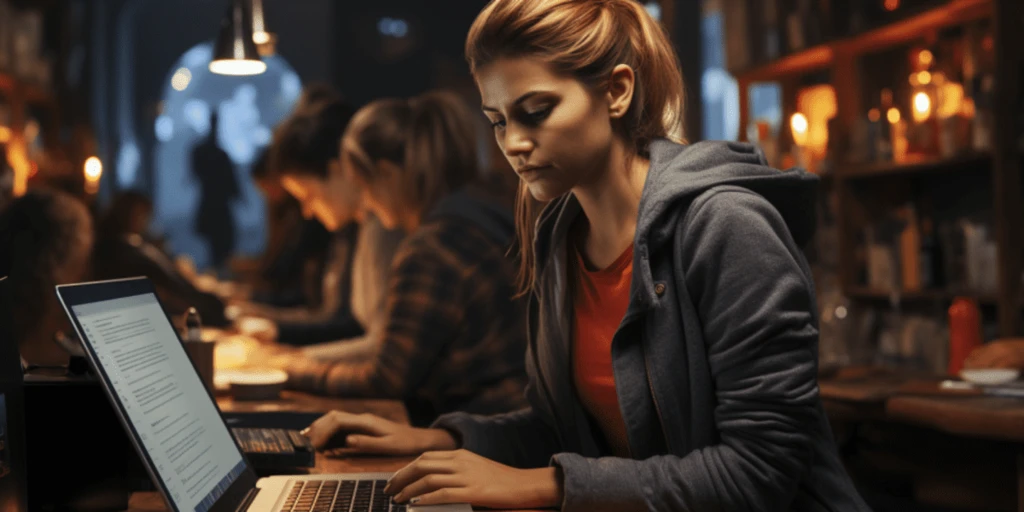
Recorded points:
964,332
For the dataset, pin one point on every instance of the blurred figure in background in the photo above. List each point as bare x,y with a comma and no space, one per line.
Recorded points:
218,188
124,249
1001,353
293,263
45,240
307,145
452,336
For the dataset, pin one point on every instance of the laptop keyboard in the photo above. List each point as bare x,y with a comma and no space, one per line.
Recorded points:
340,496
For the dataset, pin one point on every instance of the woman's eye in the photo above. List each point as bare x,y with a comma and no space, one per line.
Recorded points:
537,116
498,124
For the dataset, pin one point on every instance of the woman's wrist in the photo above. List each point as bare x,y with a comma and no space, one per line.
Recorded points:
436,439
546,488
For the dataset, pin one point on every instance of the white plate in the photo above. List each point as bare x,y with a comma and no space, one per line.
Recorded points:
990,377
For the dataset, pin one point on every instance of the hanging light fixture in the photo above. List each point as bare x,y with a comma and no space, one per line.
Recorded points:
265,41
234,52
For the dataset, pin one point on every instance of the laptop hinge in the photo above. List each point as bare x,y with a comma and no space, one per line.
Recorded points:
249,498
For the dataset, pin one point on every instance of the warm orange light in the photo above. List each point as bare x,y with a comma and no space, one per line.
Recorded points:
874,115
925,58
33,169
893,115
18,158
892,5
93,171
922,107
924,77
818,104
5,135
969,109
951,100
799,125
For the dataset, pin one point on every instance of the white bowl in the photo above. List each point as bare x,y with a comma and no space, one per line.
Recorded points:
257,383
990,377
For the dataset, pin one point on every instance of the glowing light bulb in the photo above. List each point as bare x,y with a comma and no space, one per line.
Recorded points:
922,107
893,115
93,171
799,125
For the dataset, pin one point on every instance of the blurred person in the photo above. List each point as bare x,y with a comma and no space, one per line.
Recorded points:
292,265
218,188
672,319
124,249
45,240
306,147
1000,353
452,335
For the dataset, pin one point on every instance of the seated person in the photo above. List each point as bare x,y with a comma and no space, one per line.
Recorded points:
123,250
453,335
1002,353
45,240
292,265
355,271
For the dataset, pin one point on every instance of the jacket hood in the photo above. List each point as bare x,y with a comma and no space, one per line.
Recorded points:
677,175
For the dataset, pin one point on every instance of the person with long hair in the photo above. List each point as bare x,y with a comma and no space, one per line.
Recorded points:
305,149
672,327
450,336
46,238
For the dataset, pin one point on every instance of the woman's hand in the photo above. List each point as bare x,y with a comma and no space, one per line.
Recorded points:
350,434
464,477
1007,353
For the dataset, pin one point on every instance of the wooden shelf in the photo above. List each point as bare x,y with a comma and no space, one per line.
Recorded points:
924,165
865,293
956,12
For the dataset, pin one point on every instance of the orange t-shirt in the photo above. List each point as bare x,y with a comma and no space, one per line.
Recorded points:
600,303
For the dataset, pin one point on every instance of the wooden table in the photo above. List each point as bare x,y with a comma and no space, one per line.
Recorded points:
917,400
294,401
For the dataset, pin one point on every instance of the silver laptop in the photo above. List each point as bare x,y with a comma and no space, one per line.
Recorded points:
175,423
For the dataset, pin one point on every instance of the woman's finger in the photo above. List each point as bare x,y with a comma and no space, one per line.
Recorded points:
416,470
441,497
379,445
332,428
429,484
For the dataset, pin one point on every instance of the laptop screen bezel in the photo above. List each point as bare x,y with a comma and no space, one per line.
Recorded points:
88,293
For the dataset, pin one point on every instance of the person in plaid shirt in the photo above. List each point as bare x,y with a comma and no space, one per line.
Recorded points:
453,333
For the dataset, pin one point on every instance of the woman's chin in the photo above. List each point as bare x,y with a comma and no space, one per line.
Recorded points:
545,192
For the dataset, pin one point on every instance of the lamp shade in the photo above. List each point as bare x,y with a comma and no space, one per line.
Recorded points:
234,52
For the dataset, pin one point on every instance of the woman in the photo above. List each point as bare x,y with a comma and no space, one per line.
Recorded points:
45,240
673,340
451,337
306,147
123,250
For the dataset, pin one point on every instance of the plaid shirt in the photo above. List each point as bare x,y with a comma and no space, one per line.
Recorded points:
453,339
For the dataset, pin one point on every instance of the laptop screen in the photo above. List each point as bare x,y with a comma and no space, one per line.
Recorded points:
148,371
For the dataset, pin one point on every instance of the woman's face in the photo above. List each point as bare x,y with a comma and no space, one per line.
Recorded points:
555,132
382,197
312,194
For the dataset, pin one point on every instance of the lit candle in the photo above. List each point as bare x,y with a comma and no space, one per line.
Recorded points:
93,171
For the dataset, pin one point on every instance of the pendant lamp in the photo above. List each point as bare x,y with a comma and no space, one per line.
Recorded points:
234,52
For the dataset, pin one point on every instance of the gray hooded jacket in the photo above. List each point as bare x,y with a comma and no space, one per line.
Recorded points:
715,362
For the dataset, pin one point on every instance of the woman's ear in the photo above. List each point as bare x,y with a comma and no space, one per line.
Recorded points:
620,91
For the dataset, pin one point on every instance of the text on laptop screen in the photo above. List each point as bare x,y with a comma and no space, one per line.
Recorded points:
163,397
